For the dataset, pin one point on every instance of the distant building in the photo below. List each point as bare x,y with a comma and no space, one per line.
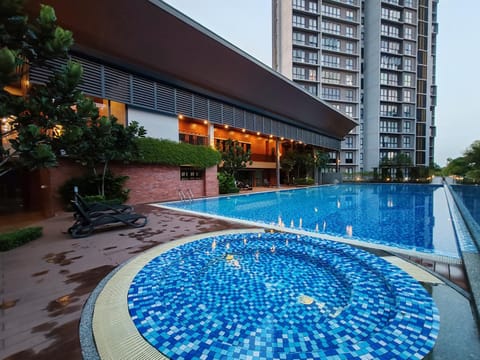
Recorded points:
375,62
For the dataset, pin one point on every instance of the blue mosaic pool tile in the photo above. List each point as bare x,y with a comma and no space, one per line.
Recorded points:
280,296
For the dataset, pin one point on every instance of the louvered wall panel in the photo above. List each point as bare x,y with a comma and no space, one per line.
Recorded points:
215,112
238,118
143,93
249,120
258,123
200,107
227,112
267,125
92,79
184,102
117,85
165,98
41,74
276,129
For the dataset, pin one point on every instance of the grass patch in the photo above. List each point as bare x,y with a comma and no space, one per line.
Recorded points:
13,239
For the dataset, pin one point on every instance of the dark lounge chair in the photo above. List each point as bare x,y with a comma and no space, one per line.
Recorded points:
86,223
93,208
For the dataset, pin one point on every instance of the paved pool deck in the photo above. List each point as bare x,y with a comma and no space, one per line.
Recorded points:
45,284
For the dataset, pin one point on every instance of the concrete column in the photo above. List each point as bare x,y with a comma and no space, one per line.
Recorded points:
211,136
277,166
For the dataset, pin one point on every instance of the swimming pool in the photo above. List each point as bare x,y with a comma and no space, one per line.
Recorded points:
279,296
406,217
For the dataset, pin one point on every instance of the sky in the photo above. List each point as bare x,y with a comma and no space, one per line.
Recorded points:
247,25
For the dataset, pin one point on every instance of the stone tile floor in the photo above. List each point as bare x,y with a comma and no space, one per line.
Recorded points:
44,285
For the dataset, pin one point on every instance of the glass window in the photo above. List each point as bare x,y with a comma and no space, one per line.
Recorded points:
349,157
298,38
312,74
407,95
190,173
330,11
349,94
312,24
331,93
312,6
408,65
313,40
349,47
299,4
298,55
349,79
298,21
330,60
349,64
408,17
331,44
331,77
408,33
349,110
349,31
407,126
349,15
299,73
330,27
407,80
348,142
313,58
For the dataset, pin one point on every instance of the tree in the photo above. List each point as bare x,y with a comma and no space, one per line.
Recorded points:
234,158
56,117
101,141
472,155
34,117
287,163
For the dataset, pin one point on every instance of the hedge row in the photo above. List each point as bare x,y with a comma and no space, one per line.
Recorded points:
17,238
167,152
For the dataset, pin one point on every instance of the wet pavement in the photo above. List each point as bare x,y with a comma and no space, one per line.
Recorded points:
44,285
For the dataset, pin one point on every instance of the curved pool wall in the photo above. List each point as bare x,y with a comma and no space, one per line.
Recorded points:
405,217
280,296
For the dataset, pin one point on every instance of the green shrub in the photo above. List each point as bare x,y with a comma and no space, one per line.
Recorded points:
167,152
17,238
226,184
89,186
304,181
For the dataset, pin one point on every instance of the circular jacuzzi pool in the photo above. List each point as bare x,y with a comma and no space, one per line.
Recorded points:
279,296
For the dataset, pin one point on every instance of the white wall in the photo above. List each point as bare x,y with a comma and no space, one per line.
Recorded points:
158,126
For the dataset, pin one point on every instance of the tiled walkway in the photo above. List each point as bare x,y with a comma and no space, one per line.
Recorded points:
44,284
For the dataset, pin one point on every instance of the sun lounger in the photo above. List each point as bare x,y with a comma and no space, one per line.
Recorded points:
86,223
95,207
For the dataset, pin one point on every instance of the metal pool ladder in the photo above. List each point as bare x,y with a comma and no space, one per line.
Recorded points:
186,195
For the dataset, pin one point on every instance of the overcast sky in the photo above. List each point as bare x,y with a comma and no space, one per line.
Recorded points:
247,25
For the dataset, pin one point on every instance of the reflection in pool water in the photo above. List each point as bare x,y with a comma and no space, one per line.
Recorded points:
265,296
404,216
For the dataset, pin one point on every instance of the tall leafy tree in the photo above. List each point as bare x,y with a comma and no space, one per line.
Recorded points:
34,118
56,117
234,158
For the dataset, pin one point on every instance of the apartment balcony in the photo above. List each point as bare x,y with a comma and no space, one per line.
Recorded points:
351,3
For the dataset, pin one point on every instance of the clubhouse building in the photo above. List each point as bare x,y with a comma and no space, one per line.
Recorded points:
144,61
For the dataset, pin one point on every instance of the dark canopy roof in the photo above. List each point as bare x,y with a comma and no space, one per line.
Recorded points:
154,39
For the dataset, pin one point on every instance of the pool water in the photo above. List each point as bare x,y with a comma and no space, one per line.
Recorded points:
404,216
470,195
280,296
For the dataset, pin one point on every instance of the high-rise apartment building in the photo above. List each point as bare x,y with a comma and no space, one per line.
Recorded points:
373,60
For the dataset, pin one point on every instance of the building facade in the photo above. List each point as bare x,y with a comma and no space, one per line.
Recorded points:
193,87
375,62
